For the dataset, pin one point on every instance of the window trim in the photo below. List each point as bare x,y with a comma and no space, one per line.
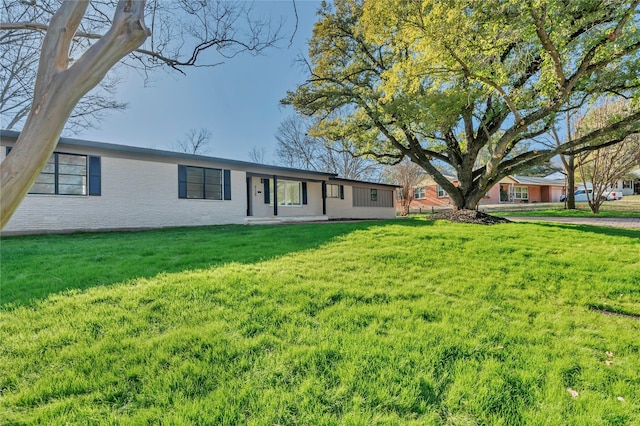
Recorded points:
422,190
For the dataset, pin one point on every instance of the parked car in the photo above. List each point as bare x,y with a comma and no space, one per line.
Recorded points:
581,195
613,195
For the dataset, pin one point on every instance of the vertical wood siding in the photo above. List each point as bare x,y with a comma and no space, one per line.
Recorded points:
362,197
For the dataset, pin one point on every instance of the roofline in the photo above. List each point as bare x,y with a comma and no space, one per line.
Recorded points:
545,181
12,134
362,181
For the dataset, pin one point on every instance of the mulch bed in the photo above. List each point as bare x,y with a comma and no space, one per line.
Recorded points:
470,216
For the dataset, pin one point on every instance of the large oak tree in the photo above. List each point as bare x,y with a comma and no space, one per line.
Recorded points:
444,81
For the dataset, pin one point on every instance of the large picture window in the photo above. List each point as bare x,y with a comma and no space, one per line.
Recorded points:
289,193
64,174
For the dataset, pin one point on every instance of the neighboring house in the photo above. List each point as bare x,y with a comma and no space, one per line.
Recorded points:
511,189
631,184
100,186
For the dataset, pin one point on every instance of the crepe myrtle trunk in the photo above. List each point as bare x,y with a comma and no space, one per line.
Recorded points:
60,86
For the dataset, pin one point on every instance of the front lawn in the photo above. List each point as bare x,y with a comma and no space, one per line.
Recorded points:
581,211
399,322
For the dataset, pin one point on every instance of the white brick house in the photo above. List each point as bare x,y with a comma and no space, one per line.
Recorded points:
99,186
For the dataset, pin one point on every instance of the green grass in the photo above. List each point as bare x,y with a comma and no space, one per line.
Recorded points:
36,266
403,322
628,207
581,211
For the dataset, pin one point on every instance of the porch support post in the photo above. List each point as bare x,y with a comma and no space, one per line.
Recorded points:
324,198
249,210
275,195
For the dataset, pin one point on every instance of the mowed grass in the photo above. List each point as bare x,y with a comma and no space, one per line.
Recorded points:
629,206
401,322
34,267
581,211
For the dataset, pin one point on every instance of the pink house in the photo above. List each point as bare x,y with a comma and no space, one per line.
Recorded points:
511,189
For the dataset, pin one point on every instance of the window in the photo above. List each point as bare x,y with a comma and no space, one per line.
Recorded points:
522,192
64,174
199,183
441,192
374,195
333,191
626,184
289,193
419,193
67,174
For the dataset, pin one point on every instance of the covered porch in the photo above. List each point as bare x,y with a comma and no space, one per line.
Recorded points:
281,199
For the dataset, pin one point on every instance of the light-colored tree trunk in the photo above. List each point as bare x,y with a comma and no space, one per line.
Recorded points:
59,87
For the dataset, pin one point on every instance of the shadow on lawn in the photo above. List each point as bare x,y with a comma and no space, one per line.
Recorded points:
34,267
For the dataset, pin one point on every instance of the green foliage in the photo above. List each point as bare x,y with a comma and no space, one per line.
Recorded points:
330,328
442,81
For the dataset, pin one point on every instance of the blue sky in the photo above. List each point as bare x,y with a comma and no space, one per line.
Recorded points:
237,101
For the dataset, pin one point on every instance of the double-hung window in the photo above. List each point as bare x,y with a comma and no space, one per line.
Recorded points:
419,193
335,191
441,192
522,192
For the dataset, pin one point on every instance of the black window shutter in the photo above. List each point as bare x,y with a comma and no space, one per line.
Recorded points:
304,192
95,176
342,192
266,191
227,184
182,181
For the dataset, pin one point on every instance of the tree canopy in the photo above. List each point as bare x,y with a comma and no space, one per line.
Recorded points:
443,82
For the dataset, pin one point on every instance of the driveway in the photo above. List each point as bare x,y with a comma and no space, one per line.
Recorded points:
617,222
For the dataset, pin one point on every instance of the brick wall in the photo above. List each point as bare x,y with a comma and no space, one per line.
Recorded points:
135,194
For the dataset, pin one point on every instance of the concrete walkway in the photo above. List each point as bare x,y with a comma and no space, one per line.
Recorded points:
616,222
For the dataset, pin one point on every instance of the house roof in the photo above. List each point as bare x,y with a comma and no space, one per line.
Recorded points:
532,180
10,134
